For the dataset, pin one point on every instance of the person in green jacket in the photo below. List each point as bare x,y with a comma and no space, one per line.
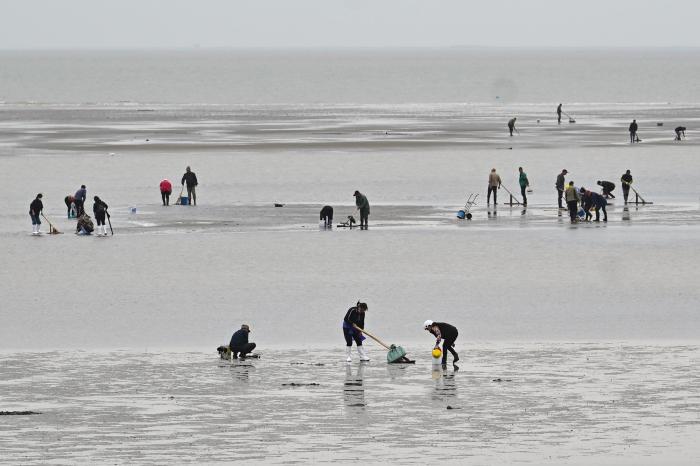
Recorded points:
524,184
363,206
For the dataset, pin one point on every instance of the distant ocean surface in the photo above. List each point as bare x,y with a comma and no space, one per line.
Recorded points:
381,76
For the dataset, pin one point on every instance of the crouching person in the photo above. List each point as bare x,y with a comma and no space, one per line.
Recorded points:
84,225
239,343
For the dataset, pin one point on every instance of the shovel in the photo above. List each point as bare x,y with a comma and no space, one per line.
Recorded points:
395,354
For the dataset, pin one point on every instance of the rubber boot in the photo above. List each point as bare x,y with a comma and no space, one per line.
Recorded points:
34,229
38,231
348,351
363,354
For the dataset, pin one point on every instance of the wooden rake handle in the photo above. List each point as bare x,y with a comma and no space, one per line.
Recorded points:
372,336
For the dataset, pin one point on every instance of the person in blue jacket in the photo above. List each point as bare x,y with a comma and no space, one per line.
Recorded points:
592,200
355,317
239,343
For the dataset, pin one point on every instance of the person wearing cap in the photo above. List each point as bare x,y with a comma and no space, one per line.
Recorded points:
608,187
560,185
191,180
494,185
362,204
239,343
626,181
80,198
511,125
354,319
572,200
591,200
99,208
166,189
447,334
35,209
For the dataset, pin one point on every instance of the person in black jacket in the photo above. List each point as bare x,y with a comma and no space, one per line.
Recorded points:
239,343
633,131
448,334
35,209
191,179
679,130
355,317
99,208
626,180
608,188
327,216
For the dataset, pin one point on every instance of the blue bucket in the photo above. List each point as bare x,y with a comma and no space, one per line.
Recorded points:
581,213
184,200
461,214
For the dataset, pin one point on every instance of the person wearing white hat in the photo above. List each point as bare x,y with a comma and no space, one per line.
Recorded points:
447,334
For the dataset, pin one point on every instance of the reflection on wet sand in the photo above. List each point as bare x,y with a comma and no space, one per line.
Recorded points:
353,389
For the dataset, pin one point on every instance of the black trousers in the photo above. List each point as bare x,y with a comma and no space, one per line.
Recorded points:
245,349
351,335
625,191
573,209
597,213
100,218
364,217
447,345
166,197
488,194
522,191
561,196
79,207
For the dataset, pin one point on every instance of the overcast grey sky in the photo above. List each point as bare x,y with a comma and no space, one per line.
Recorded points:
361,23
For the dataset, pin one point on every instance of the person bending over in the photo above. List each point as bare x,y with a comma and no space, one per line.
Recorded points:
447,334
355,317
239,344
608,188
327,216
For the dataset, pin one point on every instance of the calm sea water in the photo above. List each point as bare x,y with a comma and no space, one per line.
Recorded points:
352,76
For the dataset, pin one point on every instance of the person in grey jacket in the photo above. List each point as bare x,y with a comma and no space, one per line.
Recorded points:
560,185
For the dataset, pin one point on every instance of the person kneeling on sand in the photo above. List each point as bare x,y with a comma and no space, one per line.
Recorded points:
355,317
448,334
84,225
239,343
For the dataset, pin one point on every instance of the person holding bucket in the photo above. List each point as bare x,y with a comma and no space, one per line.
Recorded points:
447,334
355,316
190,179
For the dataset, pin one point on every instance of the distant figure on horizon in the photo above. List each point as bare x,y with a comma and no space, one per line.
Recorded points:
191,179
524,184
560,186
559,114
633,132
680,130
608,188
626,180
511,125
166,189
362,205
494,184
327,216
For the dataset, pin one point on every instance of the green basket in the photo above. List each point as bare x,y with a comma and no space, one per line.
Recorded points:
395,353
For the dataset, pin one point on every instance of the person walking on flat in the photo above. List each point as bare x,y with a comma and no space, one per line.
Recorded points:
511,125
524,184
191,180
626,181
559,114
633,132
494,185
560,185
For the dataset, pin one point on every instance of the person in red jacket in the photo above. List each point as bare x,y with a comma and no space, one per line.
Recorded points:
166,189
